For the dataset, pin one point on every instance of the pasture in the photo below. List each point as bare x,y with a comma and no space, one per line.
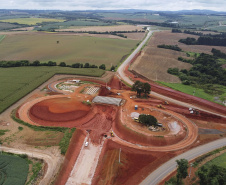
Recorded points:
13,170
19,81
71,48
30,21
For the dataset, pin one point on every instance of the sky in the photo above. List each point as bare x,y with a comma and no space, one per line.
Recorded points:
172,5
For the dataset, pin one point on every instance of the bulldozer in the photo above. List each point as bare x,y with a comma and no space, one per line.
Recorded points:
161,106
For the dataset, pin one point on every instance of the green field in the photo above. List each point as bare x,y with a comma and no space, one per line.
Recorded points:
13,170
17,82
219,161
71,48
74,23
189,90
31,21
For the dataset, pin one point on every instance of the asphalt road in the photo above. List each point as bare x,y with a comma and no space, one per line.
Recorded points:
168,167
160,173
123,65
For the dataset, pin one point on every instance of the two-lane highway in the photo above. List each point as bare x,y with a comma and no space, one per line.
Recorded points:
168,167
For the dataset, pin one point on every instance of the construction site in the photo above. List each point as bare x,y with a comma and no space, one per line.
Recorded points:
109,144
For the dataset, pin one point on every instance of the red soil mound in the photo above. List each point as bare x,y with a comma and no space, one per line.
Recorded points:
104,91
58,110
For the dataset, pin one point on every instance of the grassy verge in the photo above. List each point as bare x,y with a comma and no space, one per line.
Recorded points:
219,161
201,158
64,143
198,92
16,82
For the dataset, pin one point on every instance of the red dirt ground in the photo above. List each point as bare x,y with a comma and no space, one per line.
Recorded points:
176,94
58,110
134,167
71,156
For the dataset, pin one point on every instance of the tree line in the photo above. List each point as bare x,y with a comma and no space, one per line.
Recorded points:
205,70
172,47
20,63
205,40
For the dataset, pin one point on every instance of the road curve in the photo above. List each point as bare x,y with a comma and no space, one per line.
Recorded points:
124,77
123,65
49,159
164,170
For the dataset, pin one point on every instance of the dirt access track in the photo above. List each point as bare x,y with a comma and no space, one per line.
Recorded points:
68,111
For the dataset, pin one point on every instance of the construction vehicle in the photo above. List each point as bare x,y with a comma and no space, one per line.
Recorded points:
112,134
161,106
166,103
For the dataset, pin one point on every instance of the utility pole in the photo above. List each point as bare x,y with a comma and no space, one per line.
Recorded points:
190,169
119,155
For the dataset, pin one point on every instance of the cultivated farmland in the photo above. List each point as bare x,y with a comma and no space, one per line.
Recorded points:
13,170
31,21
105,28
71,48
17,82
154,62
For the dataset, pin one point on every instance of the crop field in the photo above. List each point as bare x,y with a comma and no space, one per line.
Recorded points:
13,170
219,161
154,62
200,20
71,48
17,82
6,26
134,16
105,28
30,21
74,23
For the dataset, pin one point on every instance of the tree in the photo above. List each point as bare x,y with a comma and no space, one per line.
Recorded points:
147,120
146,88
76,65
211,175
51,63
36,63
140,87
137,86
62,64
182,170
102,66
86,65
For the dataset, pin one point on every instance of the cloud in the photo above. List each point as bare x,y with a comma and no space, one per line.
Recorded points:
218,5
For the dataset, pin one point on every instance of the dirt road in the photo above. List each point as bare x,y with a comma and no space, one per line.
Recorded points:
85,166
51,161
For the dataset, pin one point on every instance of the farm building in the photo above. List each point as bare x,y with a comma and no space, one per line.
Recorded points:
107,100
